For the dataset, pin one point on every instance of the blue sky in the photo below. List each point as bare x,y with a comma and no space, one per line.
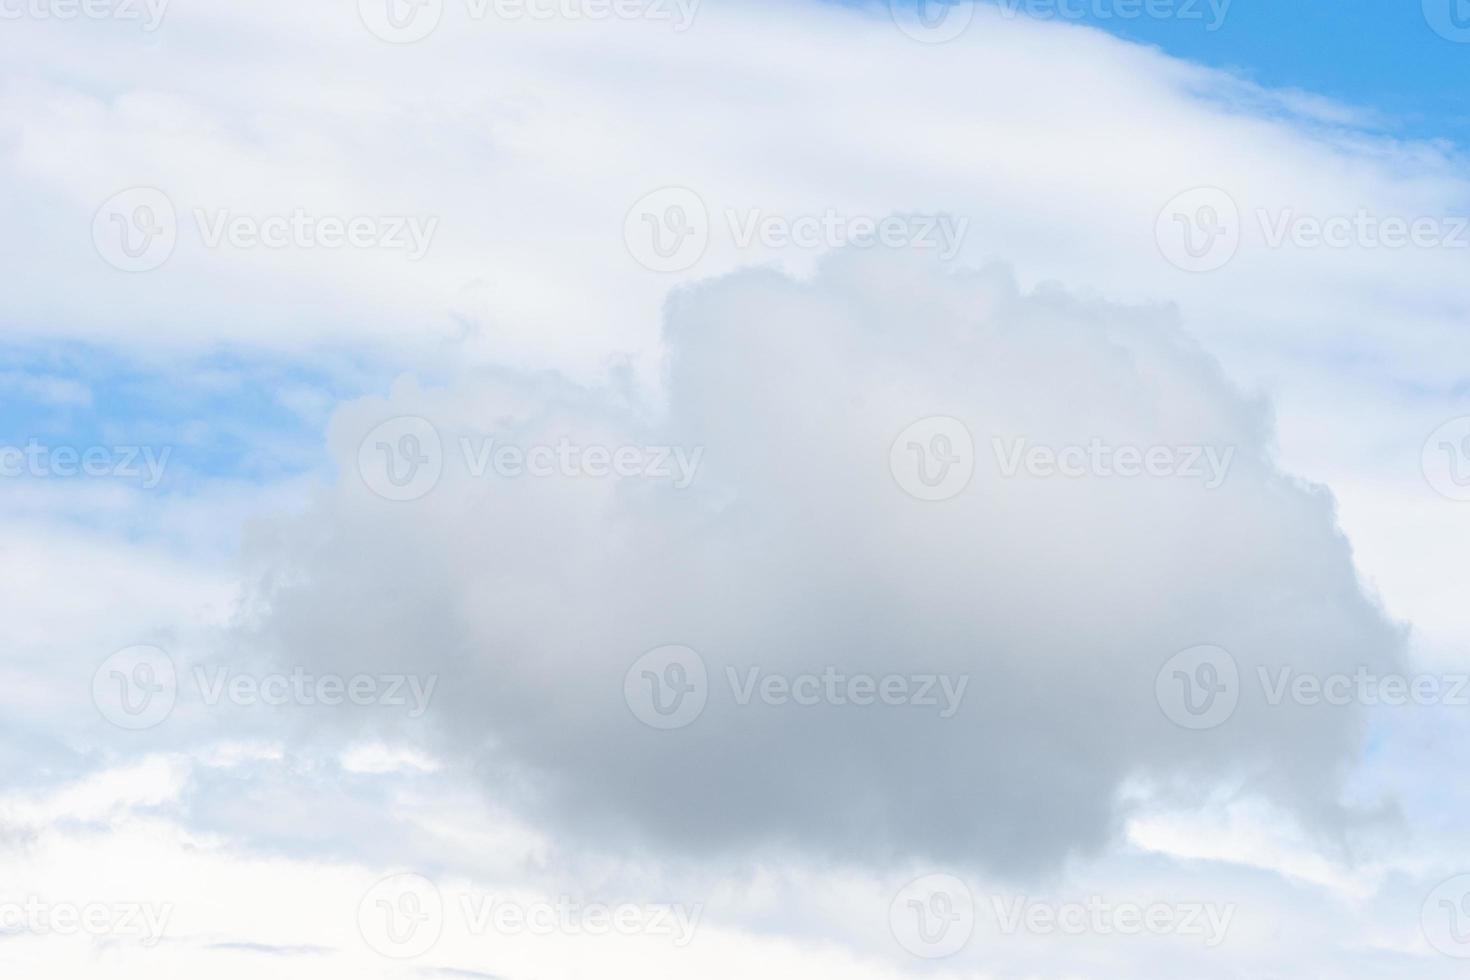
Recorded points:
1379,55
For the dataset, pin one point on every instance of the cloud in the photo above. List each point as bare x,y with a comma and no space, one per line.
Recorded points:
1057,599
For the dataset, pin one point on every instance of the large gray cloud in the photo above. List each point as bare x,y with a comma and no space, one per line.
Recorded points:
795,549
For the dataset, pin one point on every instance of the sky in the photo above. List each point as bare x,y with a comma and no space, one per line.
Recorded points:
530,489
